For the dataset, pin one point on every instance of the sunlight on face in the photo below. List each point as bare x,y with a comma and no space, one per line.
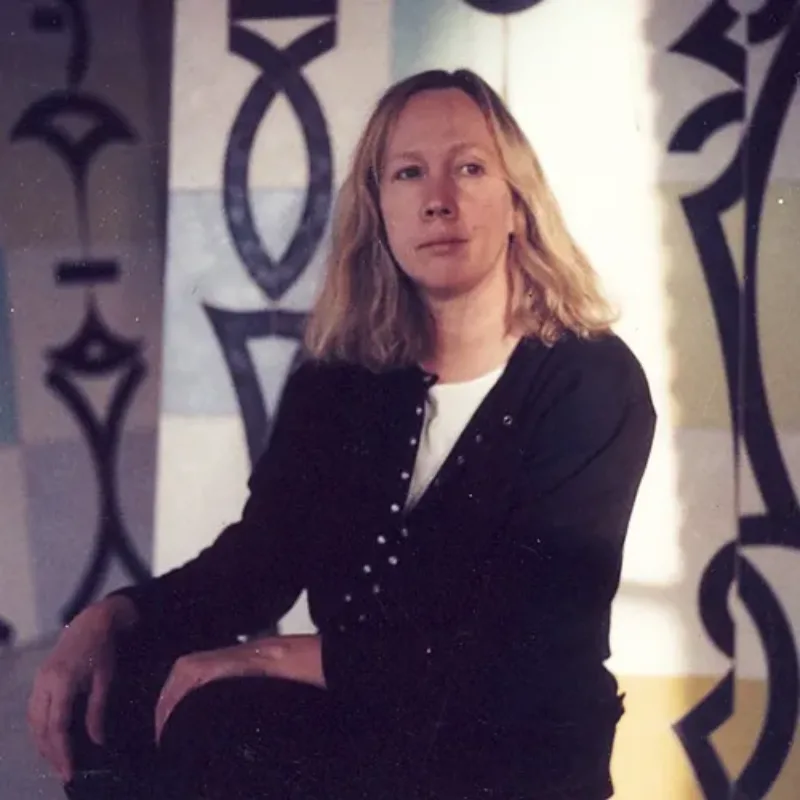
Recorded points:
445,201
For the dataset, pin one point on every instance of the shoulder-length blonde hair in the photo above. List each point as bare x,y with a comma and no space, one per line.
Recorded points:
370,313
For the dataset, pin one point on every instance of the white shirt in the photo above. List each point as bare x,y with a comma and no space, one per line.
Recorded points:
448,409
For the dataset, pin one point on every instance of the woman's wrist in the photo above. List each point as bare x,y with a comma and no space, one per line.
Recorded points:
118,612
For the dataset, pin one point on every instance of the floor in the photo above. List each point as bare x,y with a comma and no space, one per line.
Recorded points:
23,774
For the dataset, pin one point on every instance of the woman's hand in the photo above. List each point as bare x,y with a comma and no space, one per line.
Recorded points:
296,658
82,660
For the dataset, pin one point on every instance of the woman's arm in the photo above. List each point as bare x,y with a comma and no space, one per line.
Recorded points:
254,571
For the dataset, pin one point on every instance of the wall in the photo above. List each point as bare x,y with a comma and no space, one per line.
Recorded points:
636,110
82,160
669,132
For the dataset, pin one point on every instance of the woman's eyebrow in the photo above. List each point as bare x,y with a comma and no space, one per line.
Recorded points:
416,155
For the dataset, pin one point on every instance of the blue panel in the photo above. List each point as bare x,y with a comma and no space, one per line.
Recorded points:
64,503
8,405
203,268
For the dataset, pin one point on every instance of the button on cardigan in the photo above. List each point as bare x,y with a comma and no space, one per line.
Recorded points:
487,603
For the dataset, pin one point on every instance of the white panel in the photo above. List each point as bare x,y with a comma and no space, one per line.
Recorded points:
674,533
199,495
594,81
202,485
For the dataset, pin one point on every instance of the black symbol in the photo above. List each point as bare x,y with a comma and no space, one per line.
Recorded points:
40,122
46,19
502,6
280,73
736,315
96,351
278,9
235,329
87,272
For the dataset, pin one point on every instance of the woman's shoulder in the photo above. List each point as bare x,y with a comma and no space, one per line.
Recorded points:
332,382
601,366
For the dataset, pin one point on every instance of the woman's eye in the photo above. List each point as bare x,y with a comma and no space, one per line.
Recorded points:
407,172
472,169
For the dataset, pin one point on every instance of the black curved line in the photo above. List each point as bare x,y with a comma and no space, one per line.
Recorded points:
713,115
703,211
80,52
694,732
783,682
73,354
769,21
122,399
75,400
92,577
36,124
502,7
120,404
280,71
229,329
766,125
103,441
715,584
706,41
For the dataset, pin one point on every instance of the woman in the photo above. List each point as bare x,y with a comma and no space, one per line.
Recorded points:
450,477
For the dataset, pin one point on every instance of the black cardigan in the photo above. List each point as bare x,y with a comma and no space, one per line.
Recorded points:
487,602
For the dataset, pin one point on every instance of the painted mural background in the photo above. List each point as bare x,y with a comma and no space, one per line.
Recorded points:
150,309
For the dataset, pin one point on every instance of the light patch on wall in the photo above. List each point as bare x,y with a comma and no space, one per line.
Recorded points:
604,160
212,489
447,34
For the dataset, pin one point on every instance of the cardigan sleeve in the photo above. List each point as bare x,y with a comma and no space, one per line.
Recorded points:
547,590
544,608
252,574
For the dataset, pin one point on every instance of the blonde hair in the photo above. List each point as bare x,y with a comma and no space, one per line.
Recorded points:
370,313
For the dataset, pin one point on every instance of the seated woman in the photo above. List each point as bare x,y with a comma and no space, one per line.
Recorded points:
450,477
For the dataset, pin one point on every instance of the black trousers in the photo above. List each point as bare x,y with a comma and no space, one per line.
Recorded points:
231,739
266,739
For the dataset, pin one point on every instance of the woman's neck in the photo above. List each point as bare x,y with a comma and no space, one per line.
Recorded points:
469,345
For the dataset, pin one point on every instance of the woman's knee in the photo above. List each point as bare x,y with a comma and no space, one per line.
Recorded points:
238,731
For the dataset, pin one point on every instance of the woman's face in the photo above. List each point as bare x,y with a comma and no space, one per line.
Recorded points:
445,201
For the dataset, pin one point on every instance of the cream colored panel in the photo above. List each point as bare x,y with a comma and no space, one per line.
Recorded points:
210,84
779,302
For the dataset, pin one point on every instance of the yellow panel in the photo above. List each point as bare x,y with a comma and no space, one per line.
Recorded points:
649,762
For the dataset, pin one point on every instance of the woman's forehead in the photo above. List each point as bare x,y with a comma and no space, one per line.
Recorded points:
446,116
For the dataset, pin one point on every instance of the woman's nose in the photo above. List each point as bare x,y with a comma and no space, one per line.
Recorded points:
440,199
438,208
